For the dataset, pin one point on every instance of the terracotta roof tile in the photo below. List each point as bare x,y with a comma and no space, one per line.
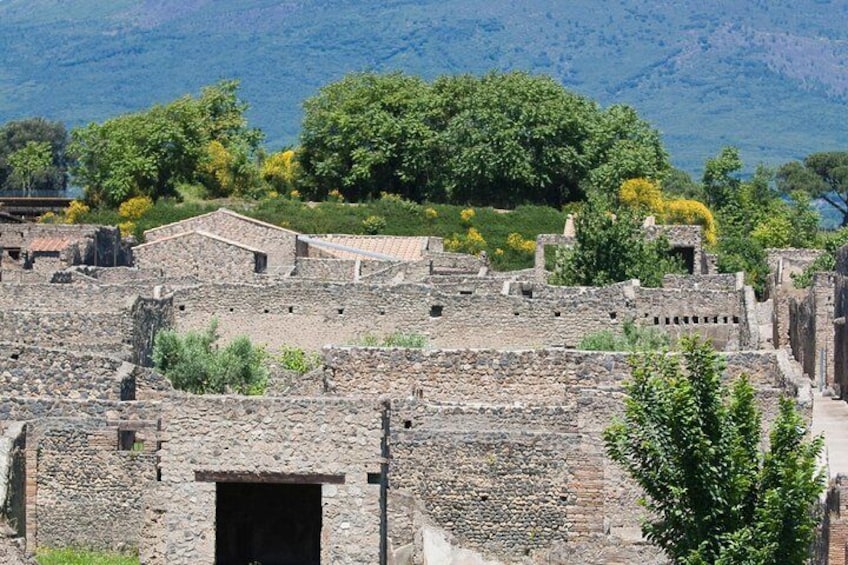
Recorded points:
49,244
401,248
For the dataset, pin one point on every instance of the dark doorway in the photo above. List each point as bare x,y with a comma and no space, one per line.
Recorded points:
687,256
268,524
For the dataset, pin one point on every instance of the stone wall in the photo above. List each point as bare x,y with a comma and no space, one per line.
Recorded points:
277,243
288,439
518,466
783,263
87,490
720,282
338,270
200,255
811,329
96,332
149,315
314,314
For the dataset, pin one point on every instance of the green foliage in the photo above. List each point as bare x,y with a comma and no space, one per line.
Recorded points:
149,153
192,362
694,449
37,146
30,164
502,139
611,249
824,262
372,225
632,338
820,175
395,339
48,556
297,360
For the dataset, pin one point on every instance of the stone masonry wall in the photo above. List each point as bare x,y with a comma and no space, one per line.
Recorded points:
277,243
265,436
518,466
313,314
811,329
199,256
88,491
37,372
95,332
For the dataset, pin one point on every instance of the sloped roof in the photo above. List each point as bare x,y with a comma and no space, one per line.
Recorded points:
398,247
49,244
221,211
201,234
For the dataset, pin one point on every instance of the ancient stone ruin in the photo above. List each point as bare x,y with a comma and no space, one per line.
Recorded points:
484,447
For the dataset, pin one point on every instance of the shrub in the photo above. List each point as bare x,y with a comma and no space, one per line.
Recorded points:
372,225
297,360
517,243
641,194
76,209
691,212
192,363
467,215
430,214
135,207
472,242
127,228
632,338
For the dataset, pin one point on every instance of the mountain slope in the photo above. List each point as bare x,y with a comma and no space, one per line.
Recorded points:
770,77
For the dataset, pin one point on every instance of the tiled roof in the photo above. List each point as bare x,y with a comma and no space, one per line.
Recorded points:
401,248
49,244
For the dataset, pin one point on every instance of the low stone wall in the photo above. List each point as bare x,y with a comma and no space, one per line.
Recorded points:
290,437
720,282
96,332
48,297
37,372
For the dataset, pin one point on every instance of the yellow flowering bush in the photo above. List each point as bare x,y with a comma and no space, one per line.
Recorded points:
48,218
430,213
294,195
335,196
472,242
372,225
641,194
75,210
499,252
467,215
682,211
127,228
280,170
517,243
135,208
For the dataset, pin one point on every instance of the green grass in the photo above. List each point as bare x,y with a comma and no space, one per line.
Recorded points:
80,557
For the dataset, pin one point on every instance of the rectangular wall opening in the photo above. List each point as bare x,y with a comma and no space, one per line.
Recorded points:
272,524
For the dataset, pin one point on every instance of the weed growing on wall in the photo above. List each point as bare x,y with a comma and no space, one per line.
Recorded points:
297,360
193,363
395,339
47,556
632,338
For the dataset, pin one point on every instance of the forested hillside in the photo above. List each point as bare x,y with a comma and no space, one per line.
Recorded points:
769,77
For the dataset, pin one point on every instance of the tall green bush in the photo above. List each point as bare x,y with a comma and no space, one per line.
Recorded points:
694,449
193,363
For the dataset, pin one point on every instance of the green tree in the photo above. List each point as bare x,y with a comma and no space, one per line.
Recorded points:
820,175
721,178
366,134
694,449
502,139
30,163
148,153
192,362
611,249
15,135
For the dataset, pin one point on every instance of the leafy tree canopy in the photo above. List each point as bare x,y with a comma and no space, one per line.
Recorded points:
149,153
501,139
820,175
15,136
694,449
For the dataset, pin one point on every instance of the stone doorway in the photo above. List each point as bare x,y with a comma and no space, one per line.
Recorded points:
268,524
